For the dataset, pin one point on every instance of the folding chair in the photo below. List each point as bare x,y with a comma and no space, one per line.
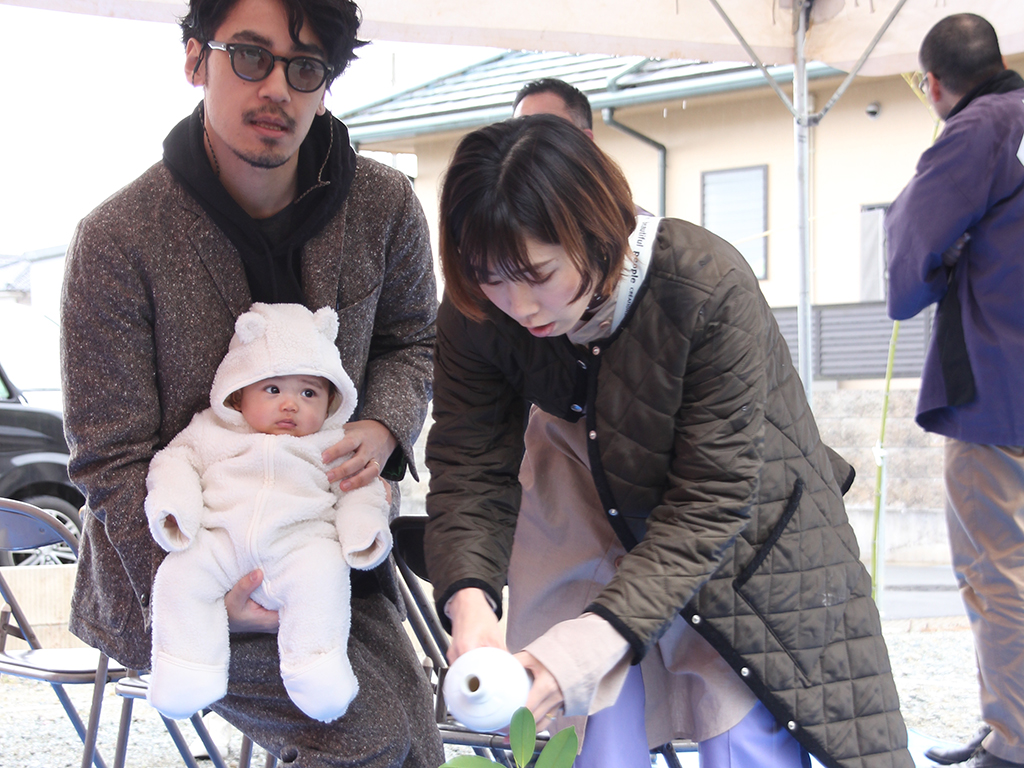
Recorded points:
407,548
23,527
133,687
407,535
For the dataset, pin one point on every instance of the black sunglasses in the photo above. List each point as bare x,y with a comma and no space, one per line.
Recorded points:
254,63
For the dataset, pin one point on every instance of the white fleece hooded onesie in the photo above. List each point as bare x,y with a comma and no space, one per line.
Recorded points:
224,500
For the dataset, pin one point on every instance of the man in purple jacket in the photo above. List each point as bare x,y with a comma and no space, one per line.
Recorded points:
956,237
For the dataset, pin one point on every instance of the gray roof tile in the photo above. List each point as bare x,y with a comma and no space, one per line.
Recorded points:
483,92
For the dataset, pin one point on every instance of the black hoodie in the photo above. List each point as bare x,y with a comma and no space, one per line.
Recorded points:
270,249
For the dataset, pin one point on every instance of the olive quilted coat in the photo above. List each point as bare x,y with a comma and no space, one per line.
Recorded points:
708,462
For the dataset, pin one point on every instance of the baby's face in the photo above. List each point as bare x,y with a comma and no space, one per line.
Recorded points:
286,405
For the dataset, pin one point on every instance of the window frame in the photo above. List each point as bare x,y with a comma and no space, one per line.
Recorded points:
763,168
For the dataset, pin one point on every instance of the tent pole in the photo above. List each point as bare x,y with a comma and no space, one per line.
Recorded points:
860,62
803,122
754,58
801,126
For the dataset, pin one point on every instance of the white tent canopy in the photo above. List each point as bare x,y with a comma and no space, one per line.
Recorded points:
837,32
840,29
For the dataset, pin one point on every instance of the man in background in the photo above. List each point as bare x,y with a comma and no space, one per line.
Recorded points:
956,237
550,96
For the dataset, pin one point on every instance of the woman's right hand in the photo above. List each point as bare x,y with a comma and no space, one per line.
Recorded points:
474,623
244,613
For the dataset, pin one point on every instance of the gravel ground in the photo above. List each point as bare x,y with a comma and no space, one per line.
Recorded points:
933,661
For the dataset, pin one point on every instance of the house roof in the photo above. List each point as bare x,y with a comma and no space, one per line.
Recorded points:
483,93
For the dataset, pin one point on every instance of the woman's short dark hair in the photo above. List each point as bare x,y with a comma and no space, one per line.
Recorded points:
537,177
335,22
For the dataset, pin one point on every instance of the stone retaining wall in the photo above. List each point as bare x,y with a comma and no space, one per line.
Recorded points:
915,528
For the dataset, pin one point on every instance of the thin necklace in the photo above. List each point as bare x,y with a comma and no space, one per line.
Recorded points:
213,153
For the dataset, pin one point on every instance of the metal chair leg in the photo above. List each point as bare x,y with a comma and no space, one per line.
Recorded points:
668,752
179,742
121,749
76,721
245,752
204,736
89,753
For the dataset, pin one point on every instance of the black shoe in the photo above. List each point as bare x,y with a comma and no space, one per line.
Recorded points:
985,759
960,753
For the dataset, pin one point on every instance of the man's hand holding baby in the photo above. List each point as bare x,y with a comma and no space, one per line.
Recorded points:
367,445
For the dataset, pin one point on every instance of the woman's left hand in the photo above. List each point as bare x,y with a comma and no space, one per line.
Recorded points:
545,700
370,444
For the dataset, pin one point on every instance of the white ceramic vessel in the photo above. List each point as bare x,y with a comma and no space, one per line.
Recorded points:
484,688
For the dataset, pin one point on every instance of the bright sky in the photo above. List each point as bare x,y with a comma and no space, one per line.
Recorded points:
89,100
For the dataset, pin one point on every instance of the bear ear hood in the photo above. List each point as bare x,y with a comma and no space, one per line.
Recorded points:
283,340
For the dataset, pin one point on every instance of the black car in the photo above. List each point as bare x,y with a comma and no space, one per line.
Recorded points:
34,469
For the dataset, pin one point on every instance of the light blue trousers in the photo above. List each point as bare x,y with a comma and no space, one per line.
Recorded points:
616,738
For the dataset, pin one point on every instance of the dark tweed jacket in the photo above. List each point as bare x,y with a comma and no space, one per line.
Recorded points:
151,294
703,449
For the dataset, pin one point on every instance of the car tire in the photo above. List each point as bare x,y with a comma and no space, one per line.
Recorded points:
56,554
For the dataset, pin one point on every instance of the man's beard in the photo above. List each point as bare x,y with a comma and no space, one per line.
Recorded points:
270,157
266,160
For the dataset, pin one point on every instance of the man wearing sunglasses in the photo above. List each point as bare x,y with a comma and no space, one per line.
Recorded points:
259,197
956,237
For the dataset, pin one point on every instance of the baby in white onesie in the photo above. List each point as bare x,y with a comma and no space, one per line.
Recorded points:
244,487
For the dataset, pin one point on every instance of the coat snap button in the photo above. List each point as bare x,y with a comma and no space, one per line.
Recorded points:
695,619
582,364
613,512
577,408
791,725
593,435
596,350
745,672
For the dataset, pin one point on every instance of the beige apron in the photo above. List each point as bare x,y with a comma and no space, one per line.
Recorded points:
564,552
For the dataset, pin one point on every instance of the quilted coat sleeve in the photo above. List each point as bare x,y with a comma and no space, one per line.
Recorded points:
474,451
713,476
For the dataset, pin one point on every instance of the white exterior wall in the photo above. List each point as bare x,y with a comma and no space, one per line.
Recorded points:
711,134
855,161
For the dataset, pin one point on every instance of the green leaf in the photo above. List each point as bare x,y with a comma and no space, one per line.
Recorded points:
522,735
560,751
468,761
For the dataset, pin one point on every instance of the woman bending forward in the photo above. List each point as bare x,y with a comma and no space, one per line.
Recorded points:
620,434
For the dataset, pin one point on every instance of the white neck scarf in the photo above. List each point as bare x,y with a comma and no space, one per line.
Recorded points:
641,242
610,315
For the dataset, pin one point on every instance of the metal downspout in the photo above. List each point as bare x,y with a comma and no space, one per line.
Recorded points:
608,115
